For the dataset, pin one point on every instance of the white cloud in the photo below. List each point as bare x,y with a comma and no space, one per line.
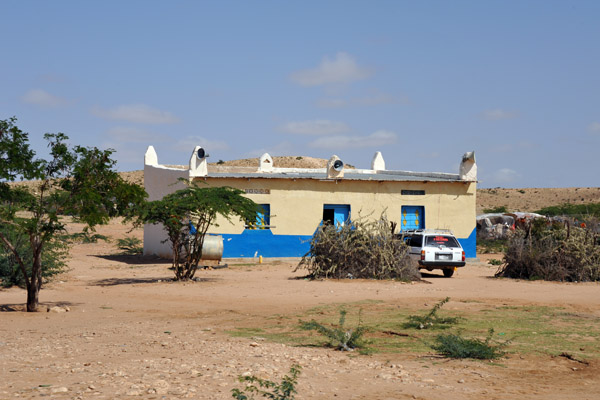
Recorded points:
42,98
129,134
188,143
138,113
340,70
375,139
315,127
498,114
505,175
594,127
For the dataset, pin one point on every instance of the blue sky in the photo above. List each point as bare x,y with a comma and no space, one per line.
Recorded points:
421,81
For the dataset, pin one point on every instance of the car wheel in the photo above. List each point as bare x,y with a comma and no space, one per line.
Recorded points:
448,272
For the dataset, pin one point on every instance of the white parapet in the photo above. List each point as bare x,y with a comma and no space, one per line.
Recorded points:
378,163
150,158
266,163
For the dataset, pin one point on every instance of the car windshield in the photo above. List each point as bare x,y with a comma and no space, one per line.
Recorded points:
441,240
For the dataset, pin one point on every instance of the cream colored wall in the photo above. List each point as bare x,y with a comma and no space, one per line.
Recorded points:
297,205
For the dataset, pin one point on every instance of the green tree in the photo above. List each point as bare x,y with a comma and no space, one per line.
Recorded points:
77,181
187,214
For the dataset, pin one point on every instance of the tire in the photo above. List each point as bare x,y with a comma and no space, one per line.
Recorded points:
448,272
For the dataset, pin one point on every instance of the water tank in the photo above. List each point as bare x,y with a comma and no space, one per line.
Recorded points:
212,248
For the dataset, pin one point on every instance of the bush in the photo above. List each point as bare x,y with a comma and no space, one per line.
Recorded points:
359,249
485,246
431,320
456,346
130,245
495,210
589,210
552,251
87,237
53,257
285,390
340,338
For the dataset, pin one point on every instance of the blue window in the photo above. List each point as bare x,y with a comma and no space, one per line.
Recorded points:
413,217
336,214
263,218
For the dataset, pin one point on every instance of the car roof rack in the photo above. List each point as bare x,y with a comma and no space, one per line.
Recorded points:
426,231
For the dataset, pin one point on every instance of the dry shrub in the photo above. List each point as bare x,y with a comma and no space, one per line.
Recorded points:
554,252
359,249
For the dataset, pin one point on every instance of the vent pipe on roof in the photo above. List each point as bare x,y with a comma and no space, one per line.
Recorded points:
468,167
198,164
335,168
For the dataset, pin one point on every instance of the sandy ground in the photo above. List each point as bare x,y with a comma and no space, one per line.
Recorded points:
132,333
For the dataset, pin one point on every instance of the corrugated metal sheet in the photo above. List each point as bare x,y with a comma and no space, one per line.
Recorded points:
377,176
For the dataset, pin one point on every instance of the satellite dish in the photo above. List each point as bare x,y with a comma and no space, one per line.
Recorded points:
338,165
201,153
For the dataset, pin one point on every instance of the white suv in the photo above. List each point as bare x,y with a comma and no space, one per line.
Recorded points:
435,249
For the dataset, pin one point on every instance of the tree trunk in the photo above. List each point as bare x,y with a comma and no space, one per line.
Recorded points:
35,283
33,293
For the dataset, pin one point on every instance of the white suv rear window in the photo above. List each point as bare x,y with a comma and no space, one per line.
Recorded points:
441,240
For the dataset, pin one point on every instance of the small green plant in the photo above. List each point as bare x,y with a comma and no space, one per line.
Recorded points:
455,346
485,246
299,158
495,261
86,237
130,245
220,162
431,320
339,337
286,390
521,191
495,210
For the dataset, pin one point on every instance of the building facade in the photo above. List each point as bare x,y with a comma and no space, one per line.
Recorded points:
295,201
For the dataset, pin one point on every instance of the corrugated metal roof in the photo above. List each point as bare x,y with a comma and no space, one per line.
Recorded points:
349,176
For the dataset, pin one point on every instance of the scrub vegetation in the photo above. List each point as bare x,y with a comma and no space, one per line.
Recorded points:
285,390
431,320
584,211
531,329
361,248
339,337
553,251
453,345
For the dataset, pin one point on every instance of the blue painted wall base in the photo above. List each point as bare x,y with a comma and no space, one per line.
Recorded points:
470,244
262,242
